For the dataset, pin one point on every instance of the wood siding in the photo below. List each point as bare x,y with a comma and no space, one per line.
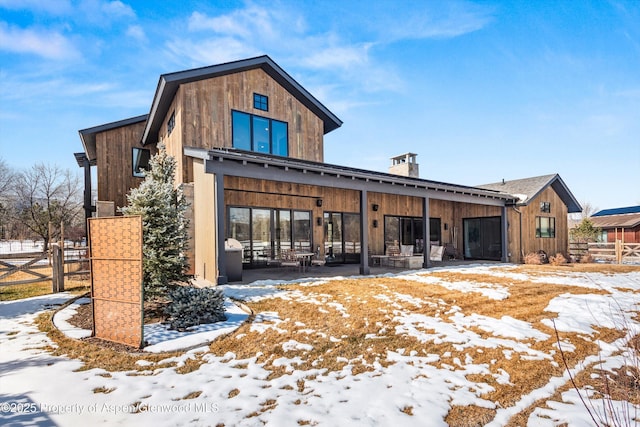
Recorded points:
269,194
115,162
627,235
531,243
203,116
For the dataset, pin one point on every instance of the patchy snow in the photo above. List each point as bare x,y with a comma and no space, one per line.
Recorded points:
415,389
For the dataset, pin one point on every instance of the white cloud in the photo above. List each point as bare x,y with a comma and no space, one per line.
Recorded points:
54,7
47,44
211,51
137,32
103,13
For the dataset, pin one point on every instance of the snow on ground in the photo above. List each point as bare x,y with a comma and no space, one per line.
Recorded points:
37,388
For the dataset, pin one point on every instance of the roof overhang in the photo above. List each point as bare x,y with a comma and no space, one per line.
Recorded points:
168,85
88,136
273,168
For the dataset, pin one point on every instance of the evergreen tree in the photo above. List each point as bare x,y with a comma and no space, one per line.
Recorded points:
585,232
164,225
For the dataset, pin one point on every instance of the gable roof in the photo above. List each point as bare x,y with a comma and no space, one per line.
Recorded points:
618,211
528,189
168,85
88,136
629,220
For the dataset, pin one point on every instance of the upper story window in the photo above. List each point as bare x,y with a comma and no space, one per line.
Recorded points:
260,102
545,207
140,163
545,226
171,123
260,134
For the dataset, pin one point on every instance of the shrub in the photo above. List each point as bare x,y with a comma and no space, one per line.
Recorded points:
190,306
558,259
586,259
532,258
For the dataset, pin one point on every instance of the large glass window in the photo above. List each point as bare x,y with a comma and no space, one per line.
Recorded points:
545,227
260,134
409,231
241,131
266,233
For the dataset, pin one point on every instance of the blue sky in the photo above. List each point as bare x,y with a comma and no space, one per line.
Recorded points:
480,90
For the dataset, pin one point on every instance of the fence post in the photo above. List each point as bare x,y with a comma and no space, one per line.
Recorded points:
57,277
619,251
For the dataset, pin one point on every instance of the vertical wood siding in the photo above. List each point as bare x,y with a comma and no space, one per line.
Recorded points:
115,162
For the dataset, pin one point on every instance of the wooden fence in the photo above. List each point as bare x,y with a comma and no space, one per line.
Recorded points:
618,252
34,267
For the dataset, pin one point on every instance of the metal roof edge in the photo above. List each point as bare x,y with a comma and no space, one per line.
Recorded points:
168,85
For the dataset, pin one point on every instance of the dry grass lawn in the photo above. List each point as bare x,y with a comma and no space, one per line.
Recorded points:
337,320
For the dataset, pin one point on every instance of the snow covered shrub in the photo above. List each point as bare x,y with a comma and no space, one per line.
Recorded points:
190,306
532,258
557,259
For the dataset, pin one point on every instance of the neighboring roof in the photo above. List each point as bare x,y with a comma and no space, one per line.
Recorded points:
168,85
528,189
88,136
278,168
618,211
630,220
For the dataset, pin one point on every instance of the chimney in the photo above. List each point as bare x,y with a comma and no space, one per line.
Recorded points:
405,165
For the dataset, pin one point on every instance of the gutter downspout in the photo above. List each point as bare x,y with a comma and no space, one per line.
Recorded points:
520,230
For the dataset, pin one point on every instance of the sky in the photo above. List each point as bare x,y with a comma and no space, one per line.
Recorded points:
481,91
231,390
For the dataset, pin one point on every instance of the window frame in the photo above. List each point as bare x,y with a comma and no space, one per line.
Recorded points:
139,165
251,134
550,229
260,102
545,207
171,123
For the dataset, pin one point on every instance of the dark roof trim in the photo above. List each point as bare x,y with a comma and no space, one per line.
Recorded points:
567,197
88,136
273,166
168,85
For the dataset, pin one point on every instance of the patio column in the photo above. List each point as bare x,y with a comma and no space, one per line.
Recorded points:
505,235
364,233
219,200
426,263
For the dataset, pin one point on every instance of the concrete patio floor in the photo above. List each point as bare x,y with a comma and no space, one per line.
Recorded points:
286,274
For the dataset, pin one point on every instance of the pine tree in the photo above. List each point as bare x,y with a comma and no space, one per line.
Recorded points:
586,231
164,225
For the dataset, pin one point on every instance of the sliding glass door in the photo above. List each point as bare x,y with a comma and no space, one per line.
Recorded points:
482,238
342,237
266,233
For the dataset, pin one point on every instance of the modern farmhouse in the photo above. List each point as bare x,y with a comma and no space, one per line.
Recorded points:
248,140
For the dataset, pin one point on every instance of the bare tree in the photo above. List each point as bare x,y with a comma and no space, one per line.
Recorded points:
588,209
6,180
47,194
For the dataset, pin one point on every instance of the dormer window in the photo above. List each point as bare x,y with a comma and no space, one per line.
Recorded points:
260,102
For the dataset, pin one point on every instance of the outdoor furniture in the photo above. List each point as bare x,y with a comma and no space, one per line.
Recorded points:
379,260
305,257
289,259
